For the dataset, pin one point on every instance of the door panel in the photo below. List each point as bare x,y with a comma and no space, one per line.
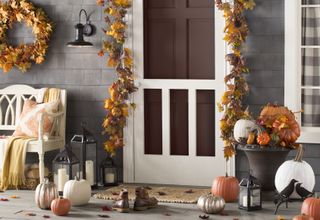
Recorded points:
179,127
153,121
178,41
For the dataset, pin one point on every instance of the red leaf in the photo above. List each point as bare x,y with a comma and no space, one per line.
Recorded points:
30,214
189,191
204,216
4,200
104,216
106,208
46,216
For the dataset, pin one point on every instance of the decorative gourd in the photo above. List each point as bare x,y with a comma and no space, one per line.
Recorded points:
227,187
311,207
295,169
287,129
303,217
211,204
45,193
251,138
77,191
263,138
242,129
61,206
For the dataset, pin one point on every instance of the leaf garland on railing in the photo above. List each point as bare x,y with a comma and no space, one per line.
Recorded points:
236,31
120,58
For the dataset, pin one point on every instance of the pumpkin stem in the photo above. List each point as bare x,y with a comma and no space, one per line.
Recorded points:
299,154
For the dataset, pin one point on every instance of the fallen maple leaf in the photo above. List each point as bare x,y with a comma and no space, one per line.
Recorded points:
204,216
104,216
46,216
30,214
4,200
106,208
14,197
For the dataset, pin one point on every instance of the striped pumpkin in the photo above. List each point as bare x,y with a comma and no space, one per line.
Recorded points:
46,192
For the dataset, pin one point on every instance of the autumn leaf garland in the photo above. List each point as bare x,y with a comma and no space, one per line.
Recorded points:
23,55
236,31
120,58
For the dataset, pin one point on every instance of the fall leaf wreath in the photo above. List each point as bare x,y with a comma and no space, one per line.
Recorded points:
23,55
120,58
236,31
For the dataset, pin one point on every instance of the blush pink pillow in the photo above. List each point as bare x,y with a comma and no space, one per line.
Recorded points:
29,119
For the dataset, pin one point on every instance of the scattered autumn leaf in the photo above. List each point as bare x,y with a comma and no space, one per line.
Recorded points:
104,216
204,216
14,197
46,216
4,199
106,208
189,191
30,214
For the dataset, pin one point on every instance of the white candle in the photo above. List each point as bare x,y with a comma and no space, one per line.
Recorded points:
245,201
90,172
62,178
109,178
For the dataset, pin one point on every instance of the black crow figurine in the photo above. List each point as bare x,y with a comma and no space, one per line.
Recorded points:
284,195
303,192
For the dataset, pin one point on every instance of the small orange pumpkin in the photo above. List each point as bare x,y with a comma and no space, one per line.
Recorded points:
302,217
61,206
226,187
263,138
311,207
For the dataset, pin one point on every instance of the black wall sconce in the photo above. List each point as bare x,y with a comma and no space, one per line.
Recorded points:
86,29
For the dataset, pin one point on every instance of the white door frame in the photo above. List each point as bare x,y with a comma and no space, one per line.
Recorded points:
136,40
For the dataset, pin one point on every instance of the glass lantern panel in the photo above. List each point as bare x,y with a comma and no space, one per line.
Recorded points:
243,196
255,197
61,175
110,175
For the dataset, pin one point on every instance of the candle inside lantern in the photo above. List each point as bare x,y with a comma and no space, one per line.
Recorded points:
109,177
62,178
245,201
90,172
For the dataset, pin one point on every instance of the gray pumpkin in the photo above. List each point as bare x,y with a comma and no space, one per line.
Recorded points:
46,192
211,204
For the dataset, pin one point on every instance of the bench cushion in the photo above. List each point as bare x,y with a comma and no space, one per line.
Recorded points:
29,119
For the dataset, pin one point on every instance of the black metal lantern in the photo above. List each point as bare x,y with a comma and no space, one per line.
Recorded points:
86,29
65,166
250,194
85,147
109,172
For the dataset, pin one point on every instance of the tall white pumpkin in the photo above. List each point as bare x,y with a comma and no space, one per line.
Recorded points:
77,191
242,128
295,169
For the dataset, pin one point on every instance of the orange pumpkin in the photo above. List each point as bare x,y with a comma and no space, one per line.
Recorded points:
263,138
270,113
303,217
287,129
226,187
61,206
311,207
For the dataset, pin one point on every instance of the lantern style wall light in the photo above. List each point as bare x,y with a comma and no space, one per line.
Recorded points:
109,172
250,194
86,29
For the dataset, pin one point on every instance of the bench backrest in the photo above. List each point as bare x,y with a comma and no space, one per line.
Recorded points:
11,102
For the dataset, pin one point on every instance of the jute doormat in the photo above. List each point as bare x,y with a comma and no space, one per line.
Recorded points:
162,193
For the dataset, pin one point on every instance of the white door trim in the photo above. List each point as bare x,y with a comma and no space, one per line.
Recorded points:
136,39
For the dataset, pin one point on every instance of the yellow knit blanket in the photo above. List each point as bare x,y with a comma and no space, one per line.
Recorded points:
13,163
15,153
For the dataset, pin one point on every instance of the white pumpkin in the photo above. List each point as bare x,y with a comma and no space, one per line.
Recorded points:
242,128
77,191
295,169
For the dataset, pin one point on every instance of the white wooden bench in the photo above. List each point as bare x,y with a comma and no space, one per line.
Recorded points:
11,102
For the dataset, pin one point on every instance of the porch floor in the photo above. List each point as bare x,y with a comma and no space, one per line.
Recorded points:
25,204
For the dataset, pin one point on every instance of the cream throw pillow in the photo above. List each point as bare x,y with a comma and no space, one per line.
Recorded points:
30,116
